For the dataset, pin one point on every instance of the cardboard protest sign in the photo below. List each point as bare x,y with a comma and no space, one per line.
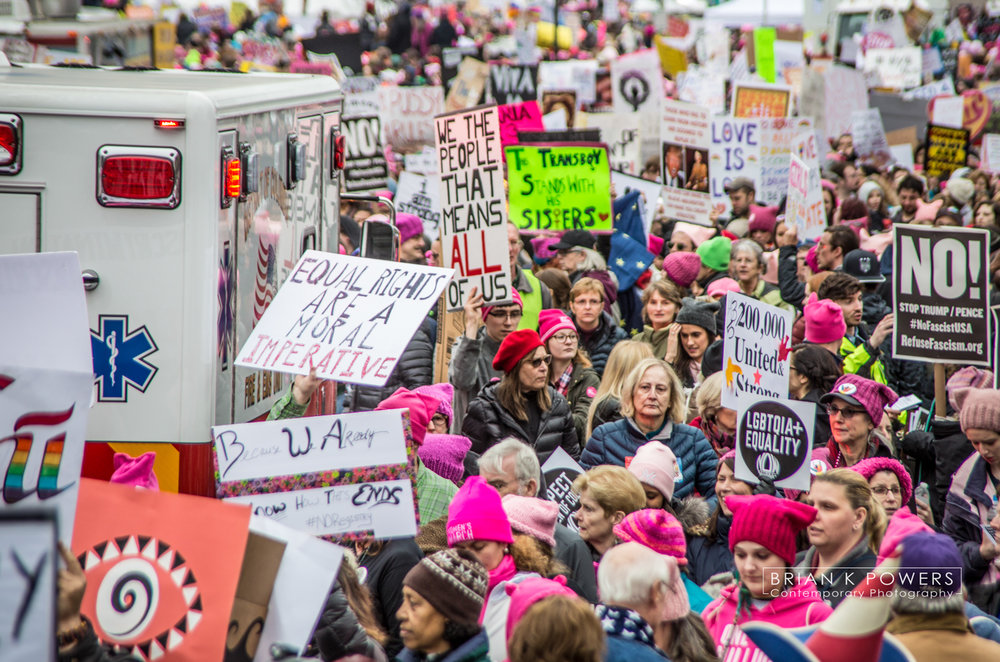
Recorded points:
513,83
756,349
559,472
407,115
261,560
704,88
734,152
348,317
559,187
637,81
365,166
468,86
686,137
29,563
778,138
941,289
420,196
947,111
156,583
308,569
325,475
621,134
946,150
473,216
46,381
870,142
971,110
524,116
805,147
804,207
672,60
774,441
894,68
450,325
761,100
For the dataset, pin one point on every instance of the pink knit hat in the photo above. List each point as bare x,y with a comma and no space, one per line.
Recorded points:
551,321
515,295
824,320
872,465
768,521
682,268
655,244
967,377
444,454
526,593
409,225
421,406
979,408
135,471
532,516
901,524
444,392
867,393
654,528
476,513
722,286
542,247
811,260
763,218
656,465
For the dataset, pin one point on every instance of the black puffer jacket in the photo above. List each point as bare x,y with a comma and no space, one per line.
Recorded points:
487,422
608,410
338,633
415,368
599,343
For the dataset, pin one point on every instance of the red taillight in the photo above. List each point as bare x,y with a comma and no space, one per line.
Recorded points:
234,183
10,144
145,177
168,124
137,177
339,151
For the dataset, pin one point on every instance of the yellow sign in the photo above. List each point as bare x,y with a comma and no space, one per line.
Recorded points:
673,60
164,41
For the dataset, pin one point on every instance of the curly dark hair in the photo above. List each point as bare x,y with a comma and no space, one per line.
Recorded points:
816,364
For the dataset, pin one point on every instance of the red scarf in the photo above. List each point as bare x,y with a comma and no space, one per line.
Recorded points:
503,572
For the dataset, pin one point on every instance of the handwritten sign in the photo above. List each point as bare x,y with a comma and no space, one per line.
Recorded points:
756,350
473,217
774,441
761,100
685,135
468,85
420,196
941,290
513,83
578,75
735,152
303,445
869,138
991,152
620,132
28,565
348,317
637,81
524,116
805,200
829,95
314,485
777,140
946,150
365,166
559,187
162,571
407,116
894,68
560,470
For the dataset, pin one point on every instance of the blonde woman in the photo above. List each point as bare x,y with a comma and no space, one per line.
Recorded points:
604,408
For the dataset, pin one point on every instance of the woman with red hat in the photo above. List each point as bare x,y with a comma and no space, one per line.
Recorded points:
522,404
763,541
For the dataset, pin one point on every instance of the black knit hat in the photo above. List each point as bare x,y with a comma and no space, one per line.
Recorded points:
699,313
453,581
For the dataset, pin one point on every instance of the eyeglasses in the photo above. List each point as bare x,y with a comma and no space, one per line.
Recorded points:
846,413
506,314
881,490
565,337
439,419
537,363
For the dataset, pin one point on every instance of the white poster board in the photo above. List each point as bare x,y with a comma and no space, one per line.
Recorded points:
685,134
757,345
29,562
804,207
735,152
473,210
408,116
869,138
637,81
620,132
420,196
894,68
348,317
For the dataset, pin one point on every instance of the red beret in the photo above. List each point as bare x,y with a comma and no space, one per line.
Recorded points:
515,347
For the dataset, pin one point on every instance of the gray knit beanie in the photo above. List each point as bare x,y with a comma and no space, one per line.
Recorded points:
699,313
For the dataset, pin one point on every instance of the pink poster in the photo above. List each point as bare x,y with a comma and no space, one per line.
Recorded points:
514,117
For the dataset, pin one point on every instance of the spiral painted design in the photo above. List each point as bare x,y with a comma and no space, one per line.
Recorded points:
127,599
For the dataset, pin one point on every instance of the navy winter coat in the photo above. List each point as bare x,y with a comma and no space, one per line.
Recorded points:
613,442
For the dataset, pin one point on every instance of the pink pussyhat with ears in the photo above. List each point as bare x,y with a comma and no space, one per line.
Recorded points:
135,471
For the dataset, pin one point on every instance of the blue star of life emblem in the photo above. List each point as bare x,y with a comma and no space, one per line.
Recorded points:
120,358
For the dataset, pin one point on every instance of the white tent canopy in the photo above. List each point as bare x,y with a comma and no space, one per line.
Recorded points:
756,12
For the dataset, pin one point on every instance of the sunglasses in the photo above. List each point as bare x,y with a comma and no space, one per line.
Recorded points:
848,414
537,363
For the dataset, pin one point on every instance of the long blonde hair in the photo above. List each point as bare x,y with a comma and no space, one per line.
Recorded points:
623,357
859,495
